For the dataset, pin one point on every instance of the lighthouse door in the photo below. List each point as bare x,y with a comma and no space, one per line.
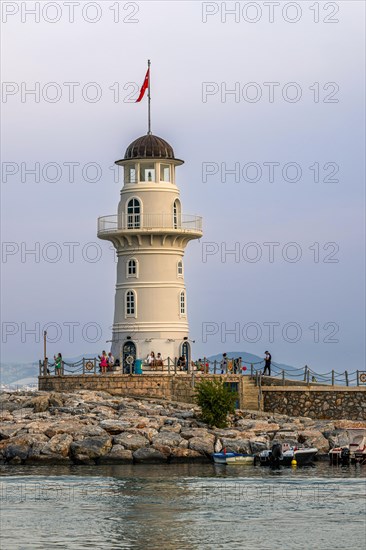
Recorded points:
128,357
186,352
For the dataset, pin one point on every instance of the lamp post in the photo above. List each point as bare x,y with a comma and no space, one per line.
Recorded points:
45,344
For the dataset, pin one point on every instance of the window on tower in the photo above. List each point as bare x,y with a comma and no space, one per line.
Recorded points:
182,302
165,172
130,173
130,303
147,172
132,268
180,268
133,214
176,214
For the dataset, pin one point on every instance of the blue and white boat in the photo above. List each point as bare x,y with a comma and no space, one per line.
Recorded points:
233,458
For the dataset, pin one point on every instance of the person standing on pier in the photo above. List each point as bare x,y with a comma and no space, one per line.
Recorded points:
110,360
267,363
58,364
223,363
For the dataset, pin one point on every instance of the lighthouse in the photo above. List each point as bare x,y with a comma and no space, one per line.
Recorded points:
150,233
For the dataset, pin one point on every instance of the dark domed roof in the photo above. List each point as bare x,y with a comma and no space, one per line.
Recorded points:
149,146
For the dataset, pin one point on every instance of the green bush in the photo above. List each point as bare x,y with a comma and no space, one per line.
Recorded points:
216,401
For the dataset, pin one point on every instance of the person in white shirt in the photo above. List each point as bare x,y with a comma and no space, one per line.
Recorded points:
110,360
151,359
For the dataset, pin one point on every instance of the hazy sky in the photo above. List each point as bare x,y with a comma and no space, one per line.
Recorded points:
292,130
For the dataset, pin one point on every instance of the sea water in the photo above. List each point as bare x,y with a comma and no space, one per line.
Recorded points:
186,506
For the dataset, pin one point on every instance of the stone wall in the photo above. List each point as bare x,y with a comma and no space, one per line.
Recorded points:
176,388
116,384
317,402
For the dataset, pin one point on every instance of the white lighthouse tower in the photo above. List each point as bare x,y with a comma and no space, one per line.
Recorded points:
150,234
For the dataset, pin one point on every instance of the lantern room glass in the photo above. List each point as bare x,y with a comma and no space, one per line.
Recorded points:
165,172
147,172
130,173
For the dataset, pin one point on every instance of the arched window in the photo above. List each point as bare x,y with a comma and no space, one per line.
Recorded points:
182,302
133,214
130,303
132,268
176,214
180,269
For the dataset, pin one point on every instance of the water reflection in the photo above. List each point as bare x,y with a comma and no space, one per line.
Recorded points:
181,506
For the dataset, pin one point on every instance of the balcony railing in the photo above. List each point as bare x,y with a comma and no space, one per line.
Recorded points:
147,222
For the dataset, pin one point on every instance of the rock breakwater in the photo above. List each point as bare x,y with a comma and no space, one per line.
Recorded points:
94,427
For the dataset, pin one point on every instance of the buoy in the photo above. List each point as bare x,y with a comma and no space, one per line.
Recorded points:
294,462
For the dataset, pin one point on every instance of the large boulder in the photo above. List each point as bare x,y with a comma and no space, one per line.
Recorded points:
218,446
19,448
147,432
39,403
171,439
259,444
71,427
117,455
227,433
58,445
149,455
188,433
178,454
263,426
236,445
55,400
164,449
90,430
314,438
87,450
104,412
5,416
23,413
203,445
114,426
287,436
185,414
10,430
338,438
131,441
37,426
175,427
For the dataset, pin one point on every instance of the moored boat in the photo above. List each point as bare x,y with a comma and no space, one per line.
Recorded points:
285,455
233,458
354,452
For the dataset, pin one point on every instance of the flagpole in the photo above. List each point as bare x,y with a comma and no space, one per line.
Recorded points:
149,98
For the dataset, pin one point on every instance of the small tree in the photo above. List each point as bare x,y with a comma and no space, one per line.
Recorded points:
216,401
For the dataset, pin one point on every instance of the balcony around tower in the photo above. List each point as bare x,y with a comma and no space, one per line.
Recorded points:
146,223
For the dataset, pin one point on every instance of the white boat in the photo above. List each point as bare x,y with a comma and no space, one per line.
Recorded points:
354,452
233,458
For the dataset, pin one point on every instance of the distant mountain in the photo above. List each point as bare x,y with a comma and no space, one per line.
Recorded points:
19,374
13,373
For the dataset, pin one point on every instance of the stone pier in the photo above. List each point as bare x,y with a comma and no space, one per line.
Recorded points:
294,399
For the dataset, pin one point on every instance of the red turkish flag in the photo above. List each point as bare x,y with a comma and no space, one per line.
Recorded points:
144,86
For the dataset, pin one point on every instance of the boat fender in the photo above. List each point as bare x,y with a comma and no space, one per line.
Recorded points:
294,462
